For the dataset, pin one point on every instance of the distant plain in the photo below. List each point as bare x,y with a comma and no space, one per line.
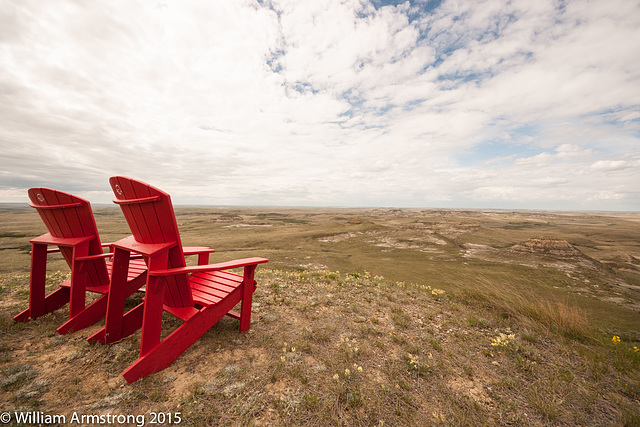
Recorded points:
364,317
585,258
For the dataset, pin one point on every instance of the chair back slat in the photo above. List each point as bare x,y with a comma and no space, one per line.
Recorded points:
151,218
69,216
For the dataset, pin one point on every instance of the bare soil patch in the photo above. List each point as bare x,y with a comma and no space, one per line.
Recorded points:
464,318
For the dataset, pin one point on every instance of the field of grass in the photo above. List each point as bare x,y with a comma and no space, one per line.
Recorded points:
364,317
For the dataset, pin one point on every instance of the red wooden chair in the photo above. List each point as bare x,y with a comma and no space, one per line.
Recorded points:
73,230
199,295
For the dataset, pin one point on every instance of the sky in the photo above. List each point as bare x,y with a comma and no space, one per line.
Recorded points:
427,104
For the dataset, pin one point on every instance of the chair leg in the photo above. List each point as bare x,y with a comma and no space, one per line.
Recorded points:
78,281
117,296
87,317
152,316
40,305
170,348
203,258
153,302
247,297
118,325
131,322
37,280
52,302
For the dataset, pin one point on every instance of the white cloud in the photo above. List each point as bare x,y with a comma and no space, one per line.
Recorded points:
573,150
612,165
325,103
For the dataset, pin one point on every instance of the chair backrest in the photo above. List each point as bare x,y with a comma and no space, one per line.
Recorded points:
69,216
149,213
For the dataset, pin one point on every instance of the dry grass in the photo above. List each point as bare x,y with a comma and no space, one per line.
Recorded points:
558,317
349,347
316,355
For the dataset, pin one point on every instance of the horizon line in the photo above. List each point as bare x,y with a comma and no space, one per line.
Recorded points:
189,205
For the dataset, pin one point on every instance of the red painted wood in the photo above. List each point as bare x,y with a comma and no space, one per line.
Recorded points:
203,259
87,317
151,210
71,227
247,296
52,302
199,295
68,217
152,316
117,295
37,280
79,275
163,354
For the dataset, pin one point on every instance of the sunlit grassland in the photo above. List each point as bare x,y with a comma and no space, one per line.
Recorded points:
364,317
399,245
355,349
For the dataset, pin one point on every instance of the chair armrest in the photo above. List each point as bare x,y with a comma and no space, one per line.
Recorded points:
244,262
49,251
48,239
94,257
146,249
196,250
134,255
201,251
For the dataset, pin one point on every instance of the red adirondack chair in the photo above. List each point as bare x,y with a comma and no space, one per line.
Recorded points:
73,230
199,295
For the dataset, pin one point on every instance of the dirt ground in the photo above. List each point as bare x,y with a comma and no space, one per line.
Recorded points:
361,318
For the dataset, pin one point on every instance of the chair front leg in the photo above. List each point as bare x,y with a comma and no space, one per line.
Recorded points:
37,305
117,296
203,258
40,305
78,280
247,297
37,280
153,302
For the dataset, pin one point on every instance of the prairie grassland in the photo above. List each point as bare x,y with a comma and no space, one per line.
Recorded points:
365,317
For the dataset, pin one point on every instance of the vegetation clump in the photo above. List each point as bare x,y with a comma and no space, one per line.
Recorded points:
415,359
408,318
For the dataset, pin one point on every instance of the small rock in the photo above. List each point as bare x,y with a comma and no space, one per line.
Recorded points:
231,389
58,339
33,390
210,387
231,369
120,348
319,367
17,373
73,356
269,317
169,378
110,401
291,356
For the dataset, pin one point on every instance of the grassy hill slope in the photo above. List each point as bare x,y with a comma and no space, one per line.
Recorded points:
365,318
